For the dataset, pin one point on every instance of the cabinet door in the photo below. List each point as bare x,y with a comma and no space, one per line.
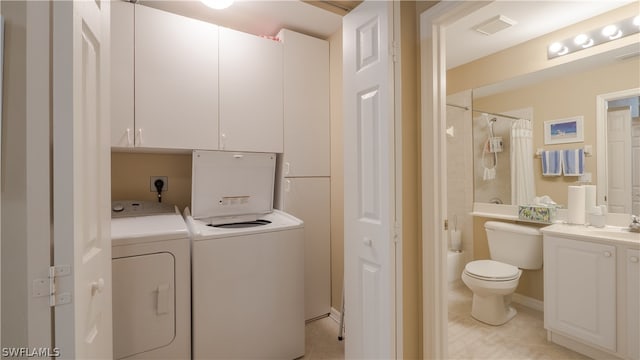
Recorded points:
306,105
309,199
176,74
250,93
122,128
633,303
580,290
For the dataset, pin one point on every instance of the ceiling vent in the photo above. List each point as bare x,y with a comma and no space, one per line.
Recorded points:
493,25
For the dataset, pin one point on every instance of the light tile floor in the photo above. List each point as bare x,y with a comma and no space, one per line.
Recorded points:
321,340
523,337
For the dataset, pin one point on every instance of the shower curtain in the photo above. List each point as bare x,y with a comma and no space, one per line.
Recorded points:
522,186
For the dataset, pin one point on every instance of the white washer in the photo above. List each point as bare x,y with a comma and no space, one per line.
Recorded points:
151,281
247,261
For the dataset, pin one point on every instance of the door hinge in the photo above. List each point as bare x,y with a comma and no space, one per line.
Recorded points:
395,49
446,224
396,231
48,287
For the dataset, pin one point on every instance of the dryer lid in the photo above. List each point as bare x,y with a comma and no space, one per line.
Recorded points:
232,183
490,269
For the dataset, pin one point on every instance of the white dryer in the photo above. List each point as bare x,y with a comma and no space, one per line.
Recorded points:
151,281
247,261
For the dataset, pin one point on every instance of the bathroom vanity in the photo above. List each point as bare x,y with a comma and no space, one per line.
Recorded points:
592,289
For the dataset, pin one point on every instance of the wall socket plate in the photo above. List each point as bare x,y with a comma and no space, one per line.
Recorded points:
152,180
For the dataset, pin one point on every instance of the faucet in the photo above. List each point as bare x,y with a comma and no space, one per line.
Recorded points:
635,224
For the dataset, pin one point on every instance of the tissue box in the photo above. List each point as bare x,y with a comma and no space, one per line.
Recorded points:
537,213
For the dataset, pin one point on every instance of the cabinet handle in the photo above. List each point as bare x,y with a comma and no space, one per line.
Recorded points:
607,254
287,167
633,259
223,137
367,242
129,140
140,136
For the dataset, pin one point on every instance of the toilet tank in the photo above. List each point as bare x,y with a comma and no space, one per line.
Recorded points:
514,244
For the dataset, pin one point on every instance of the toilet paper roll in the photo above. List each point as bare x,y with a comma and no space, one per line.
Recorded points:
576,208
589,197
456,240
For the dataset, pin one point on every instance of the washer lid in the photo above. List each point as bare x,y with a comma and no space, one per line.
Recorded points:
231,183
147,228
490,269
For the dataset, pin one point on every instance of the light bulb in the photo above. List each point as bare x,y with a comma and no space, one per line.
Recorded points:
581,39
610,31
217,4
555,47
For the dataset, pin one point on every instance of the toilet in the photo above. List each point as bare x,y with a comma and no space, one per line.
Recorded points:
512,248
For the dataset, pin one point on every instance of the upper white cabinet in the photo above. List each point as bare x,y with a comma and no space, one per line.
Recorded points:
176,81
306,105
122,124
251,114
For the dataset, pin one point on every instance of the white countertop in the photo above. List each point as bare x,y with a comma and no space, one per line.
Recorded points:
611,234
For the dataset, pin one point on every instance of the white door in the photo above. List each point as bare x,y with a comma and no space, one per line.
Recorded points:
81,190
369,198
619,160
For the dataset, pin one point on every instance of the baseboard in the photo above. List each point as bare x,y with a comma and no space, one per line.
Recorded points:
335,315
529,302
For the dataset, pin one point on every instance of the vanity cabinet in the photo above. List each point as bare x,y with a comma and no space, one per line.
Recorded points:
251,93
632,265
580,290
592,295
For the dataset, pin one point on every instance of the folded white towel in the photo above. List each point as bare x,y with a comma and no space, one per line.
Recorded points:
573,162
551,163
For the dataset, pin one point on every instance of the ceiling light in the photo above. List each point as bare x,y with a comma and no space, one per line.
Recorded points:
217,4
594,37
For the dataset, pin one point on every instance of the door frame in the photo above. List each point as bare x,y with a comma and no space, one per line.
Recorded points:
601,137
433,24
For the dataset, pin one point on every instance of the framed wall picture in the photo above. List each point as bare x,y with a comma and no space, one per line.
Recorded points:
562,131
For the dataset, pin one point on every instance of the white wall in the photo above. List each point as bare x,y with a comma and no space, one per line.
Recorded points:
26,219
459,165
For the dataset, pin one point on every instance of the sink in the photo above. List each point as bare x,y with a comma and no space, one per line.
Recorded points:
615,232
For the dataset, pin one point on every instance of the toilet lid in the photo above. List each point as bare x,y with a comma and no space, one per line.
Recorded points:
491,270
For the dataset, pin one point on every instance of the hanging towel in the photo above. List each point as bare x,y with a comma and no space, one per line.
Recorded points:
573,162
551,163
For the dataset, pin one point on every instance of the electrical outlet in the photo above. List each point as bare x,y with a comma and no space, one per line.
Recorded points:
152,180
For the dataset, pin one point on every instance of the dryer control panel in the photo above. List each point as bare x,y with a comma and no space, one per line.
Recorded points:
129,208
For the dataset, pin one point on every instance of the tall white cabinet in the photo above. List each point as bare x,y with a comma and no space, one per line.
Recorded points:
306,159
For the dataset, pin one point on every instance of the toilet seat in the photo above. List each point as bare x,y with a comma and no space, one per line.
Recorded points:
490,270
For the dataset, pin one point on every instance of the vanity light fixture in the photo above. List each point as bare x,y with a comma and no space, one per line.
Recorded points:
217,4
599,36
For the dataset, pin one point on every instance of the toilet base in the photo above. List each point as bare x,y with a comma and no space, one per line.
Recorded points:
492,309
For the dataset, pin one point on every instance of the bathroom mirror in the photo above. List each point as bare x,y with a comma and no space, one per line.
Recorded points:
557,93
